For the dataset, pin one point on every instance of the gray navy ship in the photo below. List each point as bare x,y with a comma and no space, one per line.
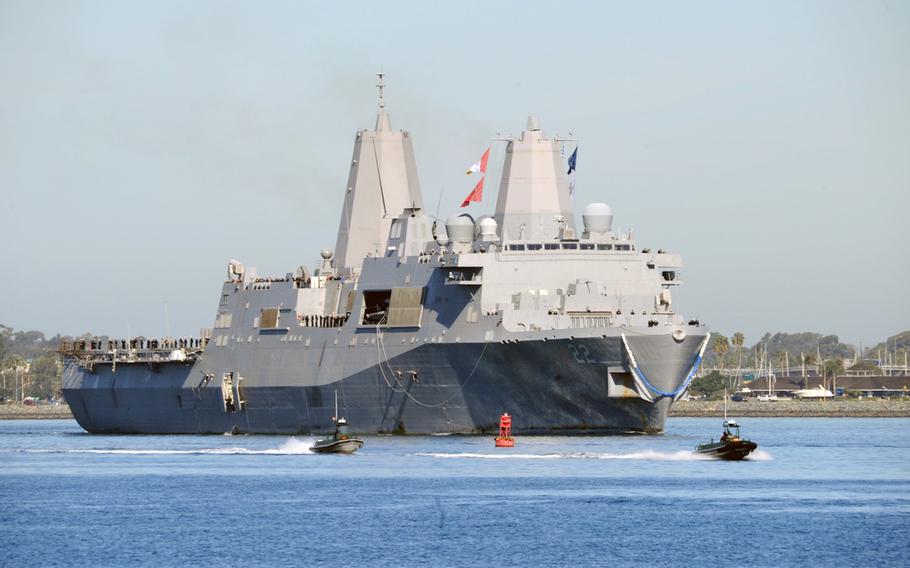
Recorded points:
418,329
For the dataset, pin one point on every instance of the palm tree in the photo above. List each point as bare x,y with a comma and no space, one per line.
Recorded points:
833,367
721,346
810,360
738,340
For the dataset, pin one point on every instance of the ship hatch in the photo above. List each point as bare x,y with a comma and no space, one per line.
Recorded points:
398,307
268,319
232,394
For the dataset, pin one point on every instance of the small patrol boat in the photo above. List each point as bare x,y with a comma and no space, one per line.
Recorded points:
731,445
341,441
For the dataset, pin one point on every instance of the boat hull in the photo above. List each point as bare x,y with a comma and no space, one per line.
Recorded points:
436,388
732,450
338,447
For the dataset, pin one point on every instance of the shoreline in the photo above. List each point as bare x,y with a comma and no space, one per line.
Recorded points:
844,408
852,408
40,412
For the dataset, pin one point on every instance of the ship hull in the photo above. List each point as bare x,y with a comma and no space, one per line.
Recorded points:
549,387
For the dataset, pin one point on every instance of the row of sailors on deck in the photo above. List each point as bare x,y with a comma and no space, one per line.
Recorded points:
317,320
140,343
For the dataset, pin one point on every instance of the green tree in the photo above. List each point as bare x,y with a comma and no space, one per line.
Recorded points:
833,367
867,366
709,385
44,377
898,343
721,346
738,340
810,359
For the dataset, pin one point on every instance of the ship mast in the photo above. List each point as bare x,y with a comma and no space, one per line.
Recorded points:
380,86
382,183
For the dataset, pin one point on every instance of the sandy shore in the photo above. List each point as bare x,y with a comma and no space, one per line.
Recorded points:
43,412
853,408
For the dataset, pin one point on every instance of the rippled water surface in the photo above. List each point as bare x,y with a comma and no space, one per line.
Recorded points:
818,492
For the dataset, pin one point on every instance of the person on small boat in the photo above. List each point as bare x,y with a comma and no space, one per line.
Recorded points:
341,429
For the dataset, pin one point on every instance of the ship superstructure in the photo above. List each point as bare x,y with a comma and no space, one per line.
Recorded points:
569,329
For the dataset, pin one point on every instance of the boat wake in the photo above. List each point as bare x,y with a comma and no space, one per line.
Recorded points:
759,455
648,455
292,447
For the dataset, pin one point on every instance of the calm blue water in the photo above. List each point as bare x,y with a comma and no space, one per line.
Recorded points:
827,492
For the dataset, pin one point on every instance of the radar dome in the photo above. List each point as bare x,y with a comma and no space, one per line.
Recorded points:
487,227
478,223
442,238
326,254
460,228
598,218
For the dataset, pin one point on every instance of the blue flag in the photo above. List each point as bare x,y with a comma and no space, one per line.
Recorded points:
572,159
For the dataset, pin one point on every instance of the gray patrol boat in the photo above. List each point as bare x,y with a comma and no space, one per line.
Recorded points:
418,330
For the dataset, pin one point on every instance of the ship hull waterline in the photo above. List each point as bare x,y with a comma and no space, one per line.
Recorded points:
446,388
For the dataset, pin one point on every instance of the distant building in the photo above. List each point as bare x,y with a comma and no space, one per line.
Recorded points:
874,386
880,386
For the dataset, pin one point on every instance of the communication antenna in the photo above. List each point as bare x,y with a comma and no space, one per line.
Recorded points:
167,318
381,85
442,191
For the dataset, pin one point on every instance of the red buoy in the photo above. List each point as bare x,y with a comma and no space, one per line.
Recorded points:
505,440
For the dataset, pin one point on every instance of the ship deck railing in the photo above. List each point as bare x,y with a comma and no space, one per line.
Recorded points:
92,352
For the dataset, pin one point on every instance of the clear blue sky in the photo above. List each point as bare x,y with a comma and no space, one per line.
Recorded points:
142,145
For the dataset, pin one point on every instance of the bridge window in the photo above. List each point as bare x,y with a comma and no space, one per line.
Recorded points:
551,246
535,246
586,246
604,247
570,246
516,247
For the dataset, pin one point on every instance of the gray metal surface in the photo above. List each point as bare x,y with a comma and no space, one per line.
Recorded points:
566,332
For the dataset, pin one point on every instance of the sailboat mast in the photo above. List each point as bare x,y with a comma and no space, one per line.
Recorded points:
725,405
769,376
820,369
